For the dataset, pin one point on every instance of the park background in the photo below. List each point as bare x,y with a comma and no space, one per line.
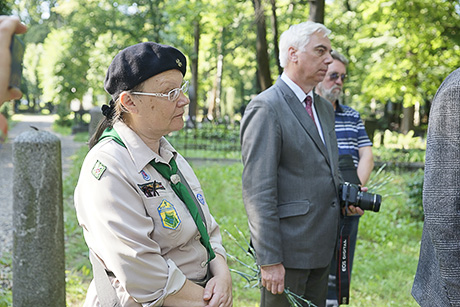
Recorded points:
399,51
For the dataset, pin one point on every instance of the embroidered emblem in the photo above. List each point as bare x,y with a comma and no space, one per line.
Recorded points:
179,63
150,189
145,175
200,198
168,215
98,169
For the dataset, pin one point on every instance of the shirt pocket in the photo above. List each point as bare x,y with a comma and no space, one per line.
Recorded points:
167,213
295,208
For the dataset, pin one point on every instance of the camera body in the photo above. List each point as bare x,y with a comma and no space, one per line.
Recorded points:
17,53
351,194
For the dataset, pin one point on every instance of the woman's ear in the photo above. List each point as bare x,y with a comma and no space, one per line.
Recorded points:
126,100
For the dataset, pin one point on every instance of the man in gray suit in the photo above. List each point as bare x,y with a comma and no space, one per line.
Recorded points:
290,176
437,282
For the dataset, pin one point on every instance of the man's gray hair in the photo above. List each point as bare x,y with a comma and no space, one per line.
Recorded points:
339,57
298,36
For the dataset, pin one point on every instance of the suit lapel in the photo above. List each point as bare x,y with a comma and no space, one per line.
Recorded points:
302,116
326,121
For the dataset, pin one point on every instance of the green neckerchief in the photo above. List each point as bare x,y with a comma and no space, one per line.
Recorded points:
170,173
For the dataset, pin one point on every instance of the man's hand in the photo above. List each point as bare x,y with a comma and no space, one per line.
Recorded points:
273,278
352,210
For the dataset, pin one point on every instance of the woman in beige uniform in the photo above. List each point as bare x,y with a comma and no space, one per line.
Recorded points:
145,219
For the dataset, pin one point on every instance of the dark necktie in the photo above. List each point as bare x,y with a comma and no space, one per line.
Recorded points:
180,189
308,103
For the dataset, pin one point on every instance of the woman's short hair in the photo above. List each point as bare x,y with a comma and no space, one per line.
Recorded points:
298,36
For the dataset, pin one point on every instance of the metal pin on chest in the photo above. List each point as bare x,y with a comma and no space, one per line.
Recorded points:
175,179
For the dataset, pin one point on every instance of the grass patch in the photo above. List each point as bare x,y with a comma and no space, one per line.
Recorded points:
78,267
386,252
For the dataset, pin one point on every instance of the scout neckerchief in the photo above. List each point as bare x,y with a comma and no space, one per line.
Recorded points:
170,172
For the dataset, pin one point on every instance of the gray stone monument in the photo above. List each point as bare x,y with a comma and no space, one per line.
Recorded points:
38,232
96,117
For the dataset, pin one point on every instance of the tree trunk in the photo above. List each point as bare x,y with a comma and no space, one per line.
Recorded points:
214,106
275,36
194,68
263,62
407,122
316,11
155,19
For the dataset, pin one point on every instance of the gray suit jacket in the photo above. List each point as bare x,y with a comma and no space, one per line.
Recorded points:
290,179
437,282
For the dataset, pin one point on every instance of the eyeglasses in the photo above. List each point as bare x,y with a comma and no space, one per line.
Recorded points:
334,76
173,94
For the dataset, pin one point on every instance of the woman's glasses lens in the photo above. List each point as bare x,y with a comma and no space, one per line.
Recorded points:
174,94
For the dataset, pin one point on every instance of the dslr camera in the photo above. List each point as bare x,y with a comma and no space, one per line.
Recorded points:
351,194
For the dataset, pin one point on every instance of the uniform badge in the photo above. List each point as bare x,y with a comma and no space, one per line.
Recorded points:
98,169
200,198
150,189
145,175
168,215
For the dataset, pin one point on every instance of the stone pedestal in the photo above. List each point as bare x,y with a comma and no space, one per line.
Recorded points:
38,227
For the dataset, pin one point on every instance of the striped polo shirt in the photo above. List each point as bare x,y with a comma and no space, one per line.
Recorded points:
350,131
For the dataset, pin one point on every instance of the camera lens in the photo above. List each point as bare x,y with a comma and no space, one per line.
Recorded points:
368,201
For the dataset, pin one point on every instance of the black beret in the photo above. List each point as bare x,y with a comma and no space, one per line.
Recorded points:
137,63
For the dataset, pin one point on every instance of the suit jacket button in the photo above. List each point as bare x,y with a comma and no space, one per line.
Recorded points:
203,264
333,204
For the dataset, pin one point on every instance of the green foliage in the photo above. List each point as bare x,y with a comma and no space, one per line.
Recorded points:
78,267
6,295
5,109
5,9
400,50
393,139
387,251
394,147
391,155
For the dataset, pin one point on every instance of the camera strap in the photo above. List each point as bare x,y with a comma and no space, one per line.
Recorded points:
343,265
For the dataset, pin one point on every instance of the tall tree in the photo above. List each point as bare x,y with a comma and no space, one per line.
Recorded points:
400,51
263,62
316,11
276,50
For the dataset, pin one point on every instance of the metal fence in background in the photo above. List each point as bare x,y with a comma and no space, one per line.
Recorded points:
208,140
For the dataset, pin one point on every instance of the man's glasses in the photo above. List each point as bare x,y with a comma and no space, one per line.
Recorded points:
334,76
173,94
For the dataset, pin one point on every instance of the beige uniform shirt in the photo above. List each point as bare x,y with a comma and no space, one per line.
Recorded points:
136,225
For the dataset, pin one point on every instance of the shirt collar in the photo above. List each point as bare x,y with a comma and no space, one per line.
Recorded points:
140,153
301,95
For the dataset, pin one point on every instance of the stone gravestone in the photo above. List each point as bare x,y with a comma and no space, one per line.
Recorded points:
38,232
96,117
